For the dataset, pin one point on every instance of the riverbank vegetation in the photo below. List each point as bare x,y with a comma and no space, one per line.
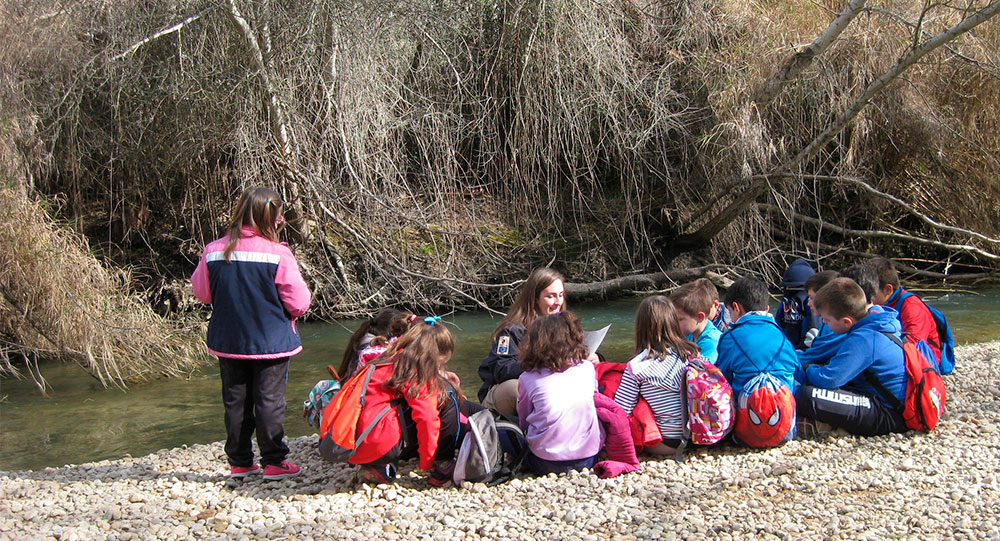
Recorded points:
435,152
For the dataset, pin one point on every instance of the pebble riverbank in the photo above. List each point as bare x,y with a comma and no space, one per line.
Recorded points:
920,486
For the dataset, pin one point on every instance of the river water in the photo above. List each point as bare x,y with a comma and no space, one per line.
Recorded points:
80,421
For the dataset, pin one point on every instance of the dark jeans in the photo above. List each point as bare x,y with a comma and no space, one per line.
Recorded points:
541,466
253,392
859,414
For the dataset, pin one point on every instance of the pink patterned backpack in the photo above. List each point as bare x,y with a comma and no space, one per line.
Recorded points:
709,398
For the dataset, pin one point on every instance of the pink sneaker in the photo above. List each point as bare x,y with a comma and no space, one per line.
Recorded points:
239,472
285,471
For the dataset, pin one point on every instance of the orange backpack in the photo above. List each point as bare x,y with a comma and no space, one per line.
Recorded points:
338,435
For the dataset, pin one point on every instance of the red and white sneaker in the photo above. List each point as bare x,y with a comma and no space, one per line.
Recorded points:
285,470
239,472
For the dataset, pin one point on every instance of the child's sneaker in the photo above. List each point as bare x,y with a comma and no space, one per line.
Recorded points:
239,472
285,470
441,473
377,474
811,428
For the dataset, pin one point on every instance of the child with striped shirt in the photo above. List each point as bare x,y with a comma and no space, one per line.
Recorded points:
657,371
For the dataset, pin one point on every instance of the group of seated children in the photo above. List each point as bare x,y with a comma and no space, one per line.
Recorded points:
830,346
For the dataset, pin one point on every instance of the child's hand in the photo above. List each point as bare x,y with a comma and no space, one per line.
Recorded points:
593,358
811,335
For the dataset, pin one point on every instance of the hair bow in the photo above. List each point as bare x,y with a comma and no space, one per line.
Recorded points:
432,320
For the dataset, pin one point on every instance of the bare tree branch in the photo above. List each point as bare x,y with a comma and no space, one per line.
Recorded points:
912,210
743,202
166,31
964,277
610,288
274,107
883,81
881,234
802,59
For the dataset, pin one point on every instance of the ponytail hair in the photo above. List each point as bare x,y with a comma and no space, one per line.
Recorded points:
260,208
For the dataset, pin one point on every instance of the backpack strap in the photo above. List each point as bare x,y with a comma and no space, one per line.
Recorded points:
458,414
877,384
773,357
364,395
370,427
685,431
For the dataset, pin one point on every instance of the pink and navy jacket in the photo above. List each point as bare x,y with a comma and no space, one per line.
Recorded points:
255,298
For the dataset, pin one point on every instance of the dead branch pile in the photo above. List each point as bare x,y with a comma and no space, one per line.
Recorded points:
434,150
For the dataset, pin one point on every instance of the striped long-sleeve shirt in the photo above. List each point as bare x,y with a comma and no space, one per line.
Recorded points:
659,382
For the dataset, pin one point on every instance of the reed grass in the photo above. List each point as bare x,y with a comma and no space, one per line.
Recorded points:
433,148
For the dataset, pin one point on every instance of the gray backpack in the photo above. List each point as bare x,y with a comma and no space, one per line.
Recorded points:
492,450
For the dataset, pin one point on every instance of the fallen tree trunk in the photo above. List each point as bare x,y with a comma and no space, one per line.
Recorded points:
641,282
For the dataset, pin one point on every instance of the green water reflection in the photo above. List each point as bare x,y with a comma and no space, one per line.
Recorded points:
82,422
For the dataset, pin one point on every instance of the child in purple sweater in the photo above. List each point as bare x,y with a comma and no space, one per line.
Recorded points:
555,402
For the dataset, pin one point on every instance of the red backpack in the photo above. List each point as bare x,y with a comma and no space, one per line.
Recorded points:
925,393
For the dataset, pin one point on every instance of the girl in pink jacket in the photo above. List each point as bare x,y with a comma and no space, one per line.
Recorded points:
256,291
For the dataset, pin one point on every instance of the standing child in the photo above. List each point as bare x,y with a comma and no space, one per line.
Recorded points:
693,303
425,416
657,371
256,291
555,402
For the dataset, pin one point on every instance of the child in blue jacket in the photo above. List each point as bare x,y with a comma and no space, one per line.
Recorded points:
693,303
794,316
755,343
840,393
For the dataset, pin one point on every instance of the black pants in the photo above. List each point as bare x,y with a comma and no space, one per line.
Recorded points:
253,392
449,437
859,414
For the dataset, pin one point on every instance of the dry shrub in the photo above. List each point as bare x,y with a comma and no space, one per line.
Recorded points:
434,147
58,302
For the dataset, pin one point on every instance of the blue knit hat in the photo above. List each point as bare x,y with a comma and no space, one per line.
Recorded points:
797,273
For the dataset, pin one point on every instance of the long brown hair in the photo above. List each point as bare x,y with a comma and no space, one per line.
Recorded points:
525,307
375,326
657,329
554,341
419,355
259,207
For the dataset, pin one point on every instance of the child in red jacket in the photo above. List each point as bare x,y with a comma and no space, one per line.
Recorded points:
917,321
427,414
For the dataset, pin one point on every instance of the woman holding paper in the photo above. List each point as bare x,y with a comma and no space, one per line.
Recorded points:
542,294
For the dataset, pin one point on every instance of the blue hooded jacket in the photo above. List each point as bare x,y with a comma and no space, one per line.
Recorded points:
753,345
827,344
864,347
796,274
